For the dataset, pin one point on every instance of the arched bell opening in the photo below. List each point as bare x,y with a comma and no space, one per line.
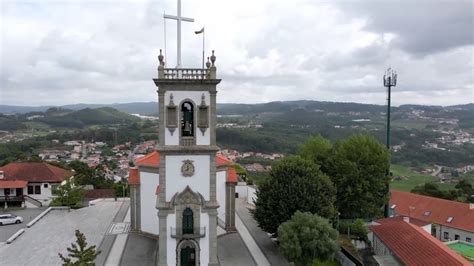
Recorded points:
187,119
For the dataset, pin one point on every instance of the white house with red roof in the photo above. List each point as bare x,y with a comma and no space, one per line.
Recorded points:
31,183
399,242
451,220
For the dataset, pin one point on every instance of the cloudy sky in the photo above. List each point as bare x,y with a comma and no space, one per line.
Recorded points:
63,52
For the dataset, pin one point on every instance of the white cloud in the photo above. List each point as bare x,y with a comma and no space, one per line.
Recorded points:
62,52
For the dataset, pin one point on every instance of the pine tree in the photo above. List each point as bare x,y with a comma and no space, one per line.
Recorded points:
84,255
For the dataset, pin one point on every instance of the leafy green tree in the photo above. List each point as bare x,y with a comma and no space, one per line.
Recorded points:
316,149
432,190
465,189
294,184
80,252
68,194
306,237
358,167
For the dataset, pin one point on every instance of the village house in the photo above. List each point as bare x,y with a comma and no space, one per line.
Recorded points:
451,220
29,183
399,242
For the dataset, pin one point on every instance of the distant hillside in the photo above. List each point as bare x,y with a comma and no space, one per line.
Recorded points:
88,116
66,118
143,108
151,108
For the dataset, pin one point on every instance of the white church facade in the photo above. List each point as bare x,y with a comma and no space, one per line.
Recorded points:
183,191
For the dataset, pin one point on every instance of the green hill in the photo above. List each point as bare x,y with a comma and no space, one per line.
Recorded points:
88,116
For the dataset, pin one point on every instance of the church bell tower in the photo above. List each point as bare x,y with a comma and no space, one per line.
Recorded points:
186,202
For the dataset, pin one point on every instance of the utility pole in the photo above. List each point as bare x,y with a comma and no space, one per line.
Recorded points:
389,81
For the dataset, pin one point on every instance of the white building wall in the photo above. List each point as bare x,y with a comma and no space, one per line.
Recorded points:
221,178
171,242
241,189
178,97
199,182
46,195
251,195
204,242
149,213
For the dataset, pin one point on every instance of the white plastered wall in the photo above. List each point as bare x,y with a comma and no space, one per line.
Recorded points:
171,242
149,213
178,97
199,182
220,193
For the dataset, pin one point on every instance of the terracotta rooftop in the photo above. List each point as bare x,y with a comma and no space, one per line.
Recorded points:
153,160
99,193
231,175
433,210
414,246
34,172
133,176
13,183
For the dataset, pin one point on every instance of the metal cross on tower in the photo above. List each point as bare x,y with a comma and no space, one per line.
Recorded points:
178,19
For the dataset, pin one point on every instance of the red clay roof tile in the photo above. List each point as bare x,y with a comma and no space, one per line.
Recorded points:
231,175
414,246
440,210
133,176
35,172
13,183
153,160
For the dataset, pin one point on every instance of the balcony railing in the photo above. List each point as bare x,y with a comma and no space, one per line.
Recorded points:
11,198
185,73
198,232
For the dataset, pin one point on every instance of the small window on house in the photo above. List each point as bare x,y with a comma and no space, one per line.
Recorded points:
393,206
427,213
456,237
433,231
468,239
446,235
236,195
45,185
31,189
450,219
38,189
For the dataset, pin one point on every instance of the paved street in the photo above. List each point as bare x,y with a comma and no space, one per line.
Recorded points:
266,245
55,232
7,231
231,251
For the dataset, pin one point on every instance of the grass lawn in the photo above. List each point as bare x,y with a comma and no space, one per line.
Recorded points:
463,249
37,125
413,180
412,124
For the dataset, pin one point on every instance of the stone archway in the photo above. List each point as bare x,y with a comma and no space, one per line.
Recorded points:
187,253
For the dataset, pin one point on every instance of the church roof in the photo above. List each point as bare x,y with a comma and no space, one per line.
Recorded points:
153,160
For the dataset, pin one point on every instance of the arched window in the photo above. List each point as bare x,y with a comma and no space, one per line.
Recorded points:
188,221
187,119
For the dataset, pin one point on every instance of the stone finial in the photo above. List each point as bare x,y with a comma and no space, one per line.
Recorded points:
213,58
160,58
208,64
161,67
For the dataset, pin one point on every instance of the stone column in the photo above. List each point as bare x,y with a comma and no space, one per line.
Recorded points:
230,208
162,240
213,237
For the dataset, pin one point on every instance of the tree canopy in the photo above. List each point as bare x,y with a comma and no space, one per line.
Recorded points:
80,252
358,167
306,237
294,184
